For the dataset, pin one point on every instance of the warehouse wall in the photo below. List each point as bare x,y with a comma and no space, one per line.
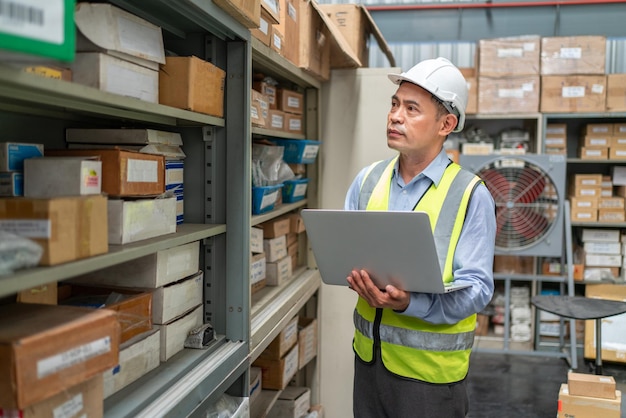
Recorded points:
354,136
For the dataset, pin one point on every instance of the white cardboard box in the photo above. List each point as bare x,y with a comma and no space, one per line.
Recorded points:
173,334
136,220
293,402
278,272
62,176
137,357
258,268
151,271
275,248
256,240
123,136
176,298
114,75
116,32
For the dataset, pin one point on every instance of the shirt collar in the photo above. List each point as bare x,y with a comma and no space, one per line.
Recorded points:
434,171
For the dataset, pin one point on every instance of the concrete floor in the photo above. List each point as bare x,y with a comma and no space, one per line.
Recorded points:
508,385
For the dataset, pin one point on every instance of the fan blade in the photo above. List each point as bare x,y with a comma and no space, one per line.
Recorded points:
528,223
497,184
529,186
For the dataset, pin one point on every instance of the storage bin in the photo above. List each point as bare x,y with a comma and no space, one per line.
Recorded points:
299,151
294,190
264,198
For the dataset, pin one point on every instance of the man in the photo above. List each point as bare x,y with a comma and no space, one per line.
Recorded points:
412,349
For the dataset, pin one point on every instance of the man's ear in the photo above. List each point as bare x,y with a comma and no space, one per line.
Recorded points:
449,123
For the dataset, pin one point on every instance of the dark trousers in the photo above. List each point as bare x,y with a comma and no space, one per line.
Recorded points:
381,394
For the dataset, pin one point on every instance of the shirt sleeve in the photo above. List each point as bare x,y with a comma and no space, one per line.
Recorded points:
473,264
352,196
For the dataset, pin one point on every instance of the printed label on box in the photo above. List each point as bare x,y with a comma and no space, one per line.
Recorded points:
72,357
571,53
70,408
29,228
142,171
573,91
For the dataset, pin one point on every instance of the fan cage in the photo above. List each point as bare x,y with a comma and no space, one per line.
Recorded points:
527,202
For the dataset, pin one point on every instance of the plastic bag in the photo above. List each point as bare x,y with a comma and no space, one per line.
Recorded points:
17,252
268,167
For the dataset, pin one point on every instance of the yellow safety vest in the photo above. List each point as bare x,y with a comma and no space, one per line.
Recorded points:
408,346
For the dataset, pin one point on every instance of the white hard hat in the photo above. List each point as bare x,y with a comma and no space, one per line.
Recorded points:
444,81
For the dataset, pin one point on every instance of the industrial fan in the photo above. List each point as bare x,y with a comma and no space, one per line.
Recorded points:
529,194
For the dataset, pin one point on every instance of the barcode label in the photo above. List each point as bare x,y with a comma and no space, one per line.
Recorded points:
34,19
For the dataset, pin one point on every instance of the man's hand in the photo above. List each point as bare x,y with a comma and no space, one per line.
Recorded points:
391,297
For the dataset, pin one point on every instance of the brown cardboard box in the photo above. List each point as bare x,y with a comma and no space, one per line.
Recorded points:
45,294
289,26
276,120
509,56
289,101
272,7
246,12
595,386
294,124
264,30
68,228
314,57
276,227
277,40
574,93
82,400
612,327
192,84
133,307
593,153
276,374
125,172
472,98
570,406
307,340
518,94
573,55
283,342
616,93
45,349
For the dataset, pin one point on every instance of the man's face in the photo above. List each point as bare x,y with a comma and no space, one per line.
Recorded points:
414,123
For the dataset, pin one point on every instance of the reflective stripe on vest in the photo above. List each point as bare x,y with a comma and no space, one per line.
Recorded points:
410,347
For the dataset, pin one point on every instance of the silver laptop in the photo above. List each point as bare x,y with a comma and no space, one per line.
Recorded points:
395,248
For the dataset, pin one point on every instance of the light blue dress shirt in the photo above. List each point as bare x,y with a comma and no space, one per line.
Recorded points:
473,259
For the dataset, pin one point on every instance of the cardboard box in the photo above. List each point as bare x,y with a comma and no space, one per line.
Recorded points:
126,136
276,40
574,93
272,7
289,26
472,98
358,28
176,298
246,12
278,272
11,184
509,56
573,55
283,342
45,294
518,94
276,119
289,101
111,30
275,248
192,84
276,374
124,172
263,102
264,30
587,407
13,154
137,357
257,272
256,240
254,389
292,402
68,228
594,153
294,124
150,271
46,349
275,227
616,92
136,220
82,400
174,333
50,71
133,307
101,71
612,327
595,386
314,57
62,176
307,340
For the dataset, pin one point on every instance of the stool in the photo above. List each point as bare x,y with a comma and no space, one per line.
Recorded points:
580,307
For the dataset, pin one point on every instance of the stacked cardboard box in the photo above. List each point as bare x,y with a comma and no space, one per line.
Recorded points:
257,261
278,263
106,48
508,75
12,156
612,327
279,361
589,396
603,253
